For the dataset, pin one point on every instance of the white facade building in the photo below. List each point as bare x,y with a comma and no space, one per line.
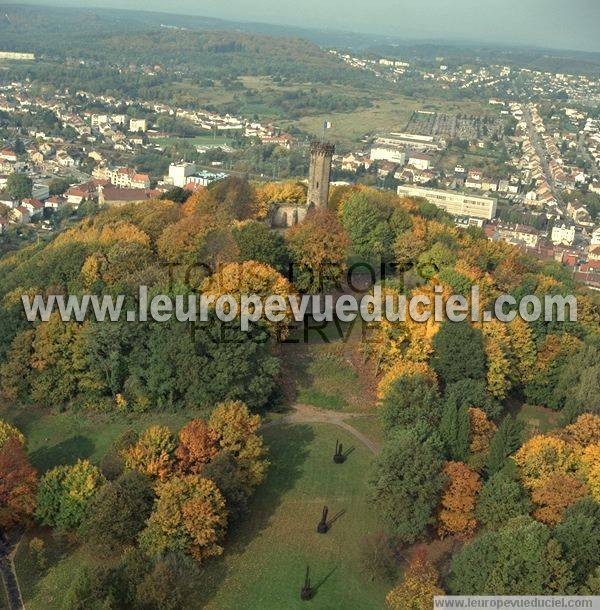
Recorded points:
457,204
563,235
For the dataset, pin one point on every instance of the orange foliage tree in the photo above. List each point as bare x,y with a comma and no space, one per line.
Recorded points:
555,495
419,587
197,446
189,516
543,456
18,483
236,430
251,278
152,455
482,430
456,515
319,248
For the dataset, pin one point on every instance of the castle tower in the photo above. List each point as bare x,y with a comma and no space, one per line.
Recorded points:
321,156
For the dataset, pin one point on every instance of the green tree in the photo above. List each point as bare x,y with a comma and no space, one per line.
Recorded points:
58,186
455,427
458,352
408,483
19,186
579,536
225,472
408,400
501,499
65,492
505,442
117,513
256,242
367,227
519,559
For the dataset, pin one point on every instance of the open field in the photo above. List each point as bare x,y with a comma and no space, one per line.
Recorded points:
62,438
263,566
387,114
538,420
267,554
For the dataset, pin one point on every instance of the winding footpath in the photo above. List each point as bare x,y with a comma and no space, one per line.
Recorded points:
307,414
9,576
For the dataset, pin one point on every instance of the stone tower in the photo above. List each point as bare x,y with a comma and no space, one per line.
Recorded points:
321,156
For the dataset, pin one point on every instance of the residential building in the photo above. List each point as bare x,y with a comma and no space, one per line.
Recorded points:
455,203
563,235
137,125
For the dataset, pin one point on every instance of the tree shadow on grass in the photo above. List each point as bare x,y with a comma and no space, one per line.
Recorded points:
288,449
66,452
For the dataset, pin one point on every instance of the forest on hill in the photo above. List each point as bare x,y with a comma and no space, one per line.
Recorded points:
455,463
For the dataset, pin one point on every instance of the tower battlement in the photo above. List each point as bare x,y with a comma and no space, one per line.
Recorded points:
322,148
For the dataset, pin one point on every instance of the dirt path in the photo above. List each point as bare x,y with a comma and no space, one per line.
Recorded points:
307,414
9,576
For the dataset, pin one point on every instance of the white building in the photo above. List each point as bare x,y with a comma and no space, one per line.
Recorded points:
137,125
457,204
596,237
381,151
563,235
179,172
419,161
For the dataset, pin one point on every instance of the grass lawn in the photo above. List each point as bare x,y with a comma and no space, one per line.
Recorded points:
326,368
369,425
537,420
62,438
267,553
265,559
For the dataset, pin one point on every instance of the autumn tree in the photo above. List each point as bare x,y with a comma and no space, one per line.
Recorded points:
65,492
318,248
590,468
278,192
497,356
456,515
481,432
197,446
189,516
152,455
234,194
554,495
419,586
251,278
543,456
8,432
236,431
18,480
584,431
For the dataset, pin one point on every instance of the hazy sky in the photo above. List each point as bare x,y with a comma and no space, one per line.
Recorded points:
572,24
